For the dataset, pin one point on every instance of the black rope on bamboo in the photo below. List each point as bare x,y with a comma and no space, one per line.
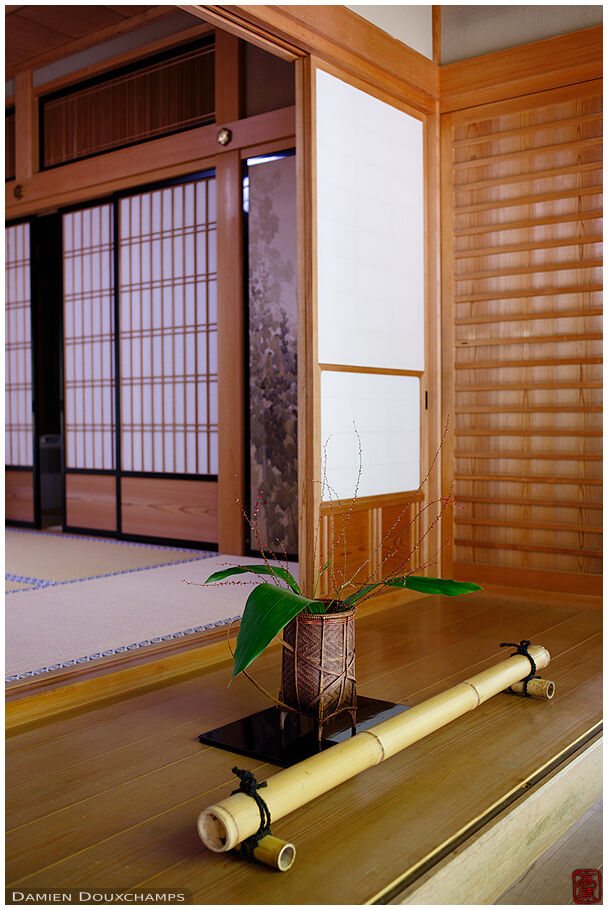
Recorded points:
522,648
250,786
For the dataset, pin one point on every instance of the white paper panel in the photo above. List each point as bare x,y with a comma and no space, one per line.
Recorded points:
88,289
386,412
19,449
168,328
370,230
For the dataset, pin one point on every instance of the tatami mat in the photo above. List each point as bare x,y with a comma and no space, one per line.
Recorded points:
68,623
16,585
63,557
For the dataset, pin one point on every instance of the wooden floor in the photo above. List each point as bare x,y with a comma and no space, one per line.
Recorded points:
108,799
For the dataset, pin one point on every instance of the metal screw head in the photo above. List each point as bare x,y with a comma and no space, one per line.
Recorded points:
224,136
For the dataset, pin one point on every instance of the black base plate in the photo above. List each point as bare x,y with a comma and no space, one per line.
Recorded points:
260,736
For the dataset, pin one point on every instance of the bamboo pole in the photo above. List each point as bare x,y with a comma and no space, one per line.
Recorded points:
226,824
536,688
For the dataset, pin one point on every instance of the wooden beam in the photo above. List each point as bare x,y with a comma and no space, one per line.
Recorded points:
159,159
97,37
536,67
334,35
26,128
231,354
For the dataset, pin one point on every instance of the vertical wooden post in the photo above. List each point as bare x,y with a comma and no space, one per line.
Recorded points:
448,461
231,354
227,77
309,418
26,128
231,306
432,418
436,26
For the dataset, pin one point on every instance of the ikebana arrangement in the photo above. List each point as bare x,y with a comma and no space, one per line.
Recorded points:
318,669
318,680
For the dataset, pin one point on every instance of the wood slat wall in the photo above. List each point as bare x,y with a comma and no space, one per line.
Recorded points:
370,539
522,255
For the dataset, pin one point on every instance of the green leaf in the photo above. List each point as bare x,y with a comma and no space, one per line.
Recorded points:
419,583
353,598
433,585
267,611
277,571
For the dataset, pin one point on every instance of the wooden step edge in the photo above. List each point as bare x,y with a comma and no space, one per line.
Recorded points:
58,694
479,863
44,699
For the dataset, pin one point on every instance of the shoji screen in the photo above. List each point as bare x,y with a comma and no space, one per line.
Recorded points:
89,415
525,207
168,357
19,430
371,316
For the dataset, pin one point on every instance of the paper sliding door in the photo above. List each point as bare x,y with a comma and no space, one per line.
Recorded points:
371,333
89,369
168,362
20,498
140,364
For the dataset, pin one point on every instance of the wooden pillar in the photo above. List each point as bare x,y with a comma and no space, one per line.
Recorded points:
309,417
26,128
231,354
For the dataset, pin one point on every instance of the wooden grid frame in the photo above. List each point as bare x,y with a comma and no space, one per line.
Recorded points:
168,329
19,426
88,267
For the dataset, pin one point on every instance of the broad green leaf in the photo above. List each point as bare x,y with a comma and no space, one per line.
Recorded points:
433,585
277,571
419,583
267,611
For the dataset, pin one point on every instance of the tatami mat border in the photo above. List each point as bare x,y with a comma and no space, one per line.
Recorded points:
38,583
122,649
125,543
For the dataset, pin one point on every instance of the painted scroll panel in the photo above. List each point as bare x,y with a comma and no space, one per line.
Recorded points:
272,347
370,230
18,348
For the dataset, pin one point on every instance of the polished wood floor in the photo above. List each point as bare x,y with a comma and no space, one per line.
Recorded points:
109,798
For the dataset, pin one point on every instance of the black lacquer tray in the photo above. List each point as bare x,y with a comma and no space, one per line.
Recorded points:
260,736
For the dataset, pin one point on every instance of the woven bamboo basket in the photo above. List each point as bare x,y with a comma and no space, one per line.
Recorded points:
318,670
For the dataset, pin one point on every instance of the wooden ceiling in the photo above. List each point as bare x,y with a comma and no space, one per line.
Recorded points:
37,35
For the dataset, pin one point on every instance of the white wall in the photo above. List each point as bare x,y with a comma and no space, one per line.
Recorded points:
410,24
469,31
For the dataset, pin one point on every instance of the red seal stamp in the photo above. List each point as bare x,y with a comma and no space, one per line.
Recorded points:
587,886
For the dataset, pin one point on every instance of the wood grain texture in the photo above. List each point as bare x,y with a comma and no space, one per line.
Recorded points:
579,848
134,776
171,156
511,842
26,128
18,495
90,501
536,67
231,354
337,36
34,43
168,508
309,375
522,344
